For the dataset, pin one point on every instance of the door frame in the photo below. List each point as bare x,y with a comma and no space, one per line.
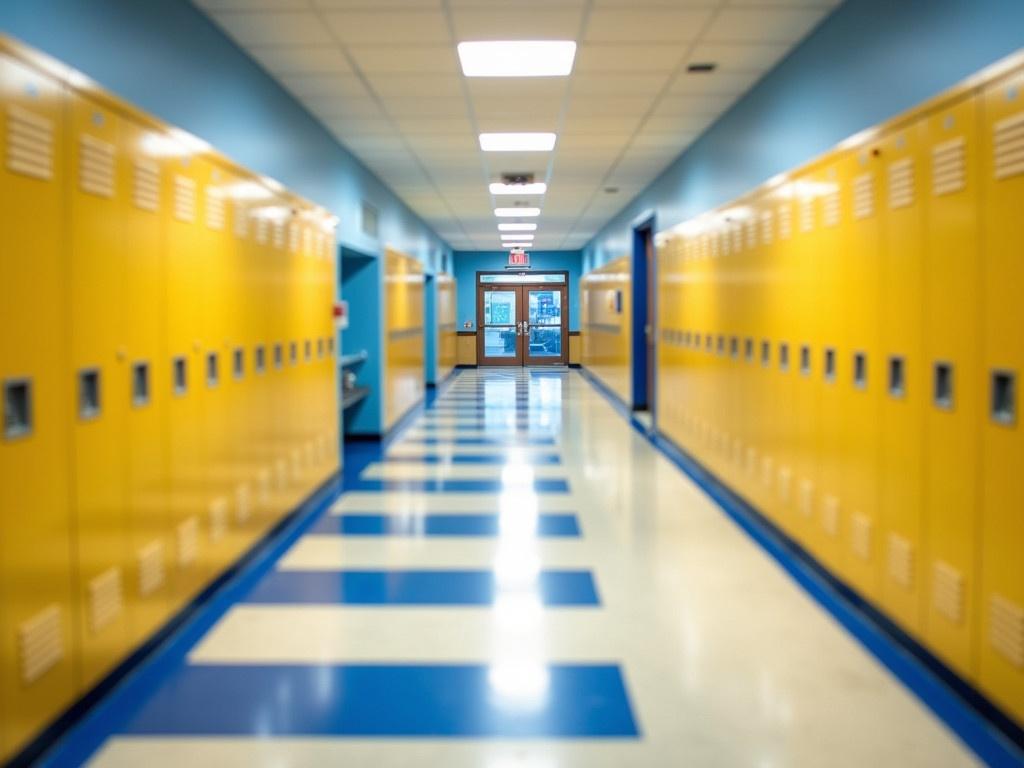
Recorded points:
522,357
644,320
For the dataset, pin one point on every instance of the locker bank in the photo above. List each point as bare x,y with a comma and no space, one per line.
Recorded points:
491,384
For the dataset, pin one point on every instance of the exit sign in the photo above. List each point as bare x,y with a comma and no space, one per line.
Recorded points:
518,258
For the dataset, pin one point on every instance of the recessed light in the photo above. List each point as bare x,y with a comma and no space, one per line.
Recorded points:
516,212
517,227
516,245
511,236
539,188
517,58
517,142
611,190
701,66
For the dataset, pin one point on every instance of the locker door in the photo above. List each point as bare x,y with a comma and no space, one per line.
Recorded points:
1001,609
904,371
36,622
151,543
100,376
952,302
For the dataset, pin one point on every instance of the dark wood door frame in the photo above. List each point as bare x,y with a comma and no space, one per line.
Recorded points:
522,356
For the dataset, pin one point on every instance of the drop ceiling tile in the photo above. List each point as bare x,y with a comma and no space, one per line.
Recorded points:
422,87
686,104
610,58
731,83
335,86
587,106
645,24
609,123
682,125
298,60
252,5
362,27
465,144
301,28
763,25
513,22
364,4
628,84
674,142
405,59
329,107
416,108
523,120
604,142
742,57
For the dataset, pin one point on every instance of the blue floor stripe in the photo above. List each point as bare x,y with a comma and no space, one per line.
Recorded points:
438,524
473,458
486,441
413,587
539,485
443,701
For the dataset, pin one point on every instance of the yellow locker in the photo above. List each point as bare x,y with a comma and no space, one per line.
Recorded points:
951,307
36,621
100,375
403,335
1001,606
904,372
150,543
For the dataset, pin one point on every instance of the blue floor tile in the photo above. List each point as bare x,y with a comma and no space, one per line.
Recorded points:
437,524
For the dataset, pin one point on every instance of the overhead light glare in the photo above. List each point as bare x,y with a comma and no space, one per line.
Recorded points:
517,142
193,144
517,58
537,188
516,212
514,236
517,227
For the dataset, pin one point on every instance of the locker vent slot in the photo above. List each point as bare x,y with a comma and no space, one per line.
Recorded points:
218,519
949,167
96,166
106,600
40,644
1009,146
748,350
736,234
281,474
901,183
831,208
212,370
1006,629
830,364
863,196
320,348
140,384
751,459
318,244
806,498
89,394
259,362
146,185
261,230
767,471
188,542
860,536
263,483
805,360
766,353
330,345
241,221
307,240
1004,397
180,376
767,230
860,370
293,353
184,199
17,408
784,357
29,144
948,591
279,234
243,503
296,463
293,237
309,350
830,515
239,362
806,214
785,484
751,232
215,212
785,222
901,560
151,567
942,388
734,347
897,377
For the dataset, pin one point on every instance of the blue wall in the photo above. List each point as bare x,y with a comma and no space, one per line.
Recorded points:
468,263
168,58
870,60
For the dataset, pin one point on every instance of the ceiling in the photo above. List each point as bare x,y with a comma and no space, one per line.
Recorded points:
383,76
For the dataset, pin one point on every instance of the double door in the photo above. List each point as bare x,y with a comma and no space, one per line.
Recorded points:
522,325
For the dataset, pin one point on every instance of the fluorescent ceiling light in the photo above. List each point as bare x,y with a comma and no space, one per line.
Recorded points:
516,212
513,236
517,245
517,227
539,188
517,58
517,142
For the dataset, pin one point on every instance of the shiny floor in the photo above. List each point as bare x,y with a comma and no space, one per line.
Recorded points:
522,580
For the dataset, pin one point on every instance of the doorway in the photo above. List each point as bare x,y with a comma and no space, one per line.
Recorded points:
521,325
644,280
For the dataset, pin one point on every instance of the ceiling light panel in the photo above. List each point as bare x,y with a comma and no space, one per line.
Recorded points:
516,212
517,142
517,227
512,236
517,58
538,188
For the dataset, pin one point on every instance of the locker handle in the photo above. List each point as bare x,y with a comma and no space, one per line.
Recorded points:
766,353
260,359
748,350
17,408
239,362
278,355
783,357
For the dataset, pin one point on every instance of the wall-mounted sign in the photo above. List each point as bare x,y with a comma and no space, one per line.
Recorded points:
518,259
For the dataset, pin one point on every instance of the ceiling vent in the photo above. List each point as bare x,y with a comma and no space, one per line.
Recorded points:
700,67
513,177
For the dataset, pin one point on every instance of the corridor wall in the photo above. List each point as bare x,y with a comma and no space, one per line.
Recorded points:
606,327
166,359
843,347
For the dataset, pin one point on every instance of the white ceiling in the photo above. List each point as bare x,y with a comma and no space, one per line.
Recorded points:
383,76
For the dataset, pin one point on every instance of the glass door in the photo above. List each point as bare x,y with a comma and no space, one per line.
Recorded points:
499,340
545,330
